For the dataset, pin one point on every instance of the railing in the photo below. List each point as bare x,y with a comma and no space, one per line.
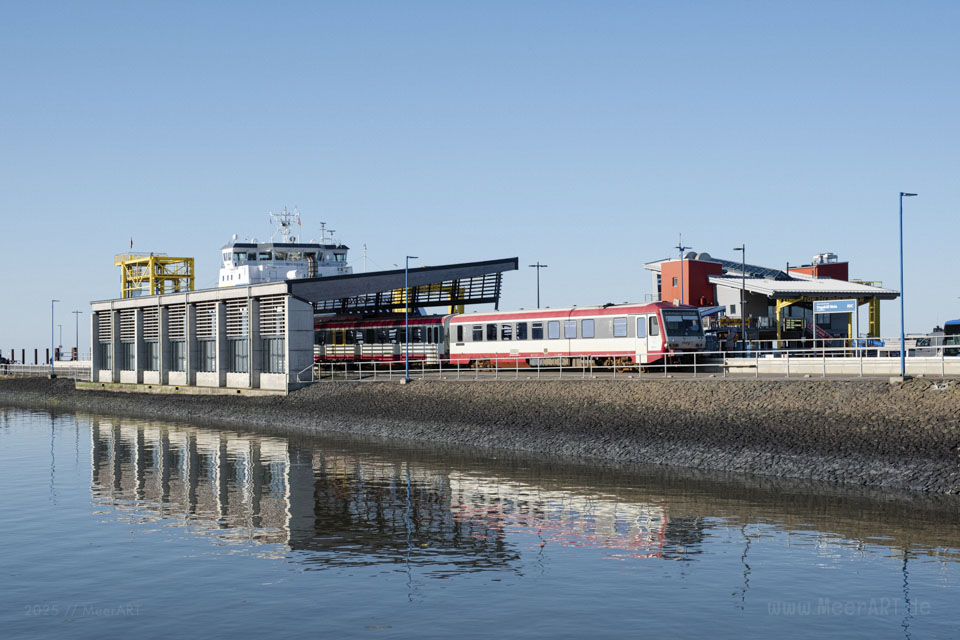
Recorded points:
837,361
65,370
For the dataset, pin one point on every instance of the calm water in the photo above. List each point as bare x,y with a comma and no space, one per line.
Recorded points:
123,528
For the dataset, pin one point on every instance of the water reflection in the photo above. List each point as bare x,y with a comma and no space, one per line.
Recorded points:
345,508
341,506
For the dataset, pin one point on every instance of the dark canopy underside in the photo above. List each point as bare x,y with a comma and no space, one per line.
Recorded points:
444,285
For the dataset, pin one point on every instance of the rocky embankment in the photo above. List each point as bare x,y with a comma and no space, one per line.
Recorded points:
864,432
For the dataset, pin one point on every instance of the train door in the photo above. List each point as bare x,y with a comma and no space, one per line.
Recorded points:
654,337
641,340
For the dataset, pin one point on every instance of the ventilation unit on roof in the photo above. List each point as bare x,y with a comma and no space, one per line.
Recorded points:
824,258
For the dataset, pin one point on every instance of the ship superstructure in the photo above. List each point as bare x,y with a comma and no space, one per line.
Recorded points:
286,258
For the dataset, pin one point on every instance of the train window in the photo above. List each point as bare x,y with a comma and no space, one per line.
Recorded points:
506,332
491,332
394,335
641,326
537,332
459,333
478,333
318,337
370,336
553,329
619,327
569,329
351,336
522,331
586,328
654,327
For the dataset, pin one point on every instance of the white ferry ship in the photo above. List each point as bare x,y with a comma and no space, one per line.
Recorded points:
244,263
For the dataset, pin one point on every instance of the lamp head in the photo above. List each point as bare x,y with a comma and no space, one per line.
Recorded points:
906,195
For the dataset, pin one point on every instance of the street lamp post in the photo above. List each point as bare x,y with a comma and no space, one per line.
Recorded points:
52,302
743,290
681,249
538,267
406,318
903,362
76,316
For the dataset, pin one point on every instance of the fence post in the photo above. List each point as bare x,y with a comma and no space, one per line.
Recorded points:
758,362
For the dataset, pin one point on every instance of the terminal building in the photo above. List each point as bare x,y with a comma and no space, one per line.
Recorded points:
261,336
773,304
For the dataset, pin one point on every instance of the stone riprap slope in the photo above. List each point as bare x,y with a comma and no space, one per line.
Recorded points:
864,432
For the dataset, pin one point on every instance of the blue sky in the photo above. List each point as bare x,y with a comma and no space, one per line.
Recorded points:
585,135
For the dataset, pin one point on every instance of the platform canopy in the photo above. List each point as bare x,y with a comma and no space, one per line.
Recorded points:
433,286
807,288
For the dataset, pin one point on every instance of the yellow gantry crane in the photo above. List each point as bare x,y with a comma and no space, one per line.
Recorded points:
150,274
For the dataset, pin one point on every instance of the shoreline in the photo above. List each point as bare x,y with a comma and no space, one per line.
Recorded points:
862,433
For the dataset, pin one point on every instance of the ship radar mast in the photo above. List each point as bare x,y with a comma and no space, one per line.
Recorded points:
284,220
324,232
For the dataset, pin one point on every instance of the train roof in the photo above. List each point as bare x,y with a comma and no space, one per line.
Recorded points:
600,310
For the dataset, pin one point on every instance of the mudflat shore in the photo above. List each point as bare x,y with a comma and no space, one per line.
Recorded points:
859,432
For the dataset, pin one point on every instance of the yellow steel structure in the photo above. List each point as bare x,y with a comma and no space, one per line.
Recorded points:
400,295
873,308
150,274
781,305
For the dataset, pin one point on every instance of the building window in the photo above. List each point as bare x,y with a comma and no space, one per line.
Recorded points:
128,356
208,355
273,355
641,327
733,310
654,327
478,333
106,353
238,355
674,282
620,327
178,355
553,329
569,329
491,332
586,329
522,331
537,331
151,353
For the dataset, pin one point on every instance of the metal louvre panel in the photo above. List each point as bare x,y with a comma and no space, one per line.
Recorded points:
237,318
151,324
177,321
475,290
206,319
272,314
104,327
128,325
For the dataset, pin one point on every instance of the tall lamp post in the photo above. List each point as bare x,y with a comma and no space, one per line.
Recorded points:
743,290
406,318
903,362
76,317
681,249
538,267
52,302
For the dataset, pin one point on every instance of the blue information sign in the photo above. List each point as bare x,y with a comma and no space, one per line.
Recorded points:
835,306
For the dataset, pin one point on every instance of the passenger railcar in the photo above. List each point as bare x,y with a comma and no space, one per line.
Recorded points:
383,338
608,335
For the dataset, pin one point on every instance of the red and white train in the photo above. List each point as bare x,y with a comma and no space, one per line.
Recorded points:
608,335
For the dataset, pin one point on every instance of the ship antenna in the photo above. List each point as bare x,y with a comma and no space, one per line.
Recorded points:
283,220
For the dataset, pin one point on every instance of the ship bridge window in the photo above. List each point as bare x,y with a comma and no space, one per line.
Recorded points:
279,255
264,255
310,255
239,258
340,257
295,255
226,257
